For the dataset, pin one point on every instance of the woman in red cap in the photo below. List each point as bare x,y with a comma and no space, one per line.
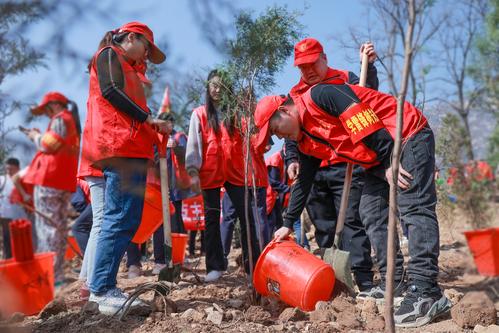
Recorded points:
118,139
53,174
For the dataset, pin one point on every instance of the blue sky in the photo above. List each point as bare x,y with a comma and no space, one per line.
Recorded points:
173,21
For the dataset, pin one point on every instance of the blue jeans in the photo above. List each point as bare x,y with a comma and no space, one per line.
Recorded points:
125,187
297,230
97,186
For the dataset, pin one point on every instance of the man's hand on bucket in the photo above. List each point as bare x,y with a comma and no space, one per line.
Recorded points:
282,234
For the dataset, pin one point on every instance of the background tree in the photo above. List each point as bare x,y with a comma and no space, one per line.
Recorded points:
16,56
384,24
485,70
457,43
255,55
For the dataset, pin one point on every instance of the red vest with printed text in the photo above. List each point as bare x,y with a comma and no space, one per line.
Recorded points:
211,174
110,132
328,137
57,170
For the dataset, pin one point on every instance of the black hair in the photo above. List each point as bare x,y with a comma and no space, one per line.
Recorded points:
13,161
167,116
210,107
110,38
76,116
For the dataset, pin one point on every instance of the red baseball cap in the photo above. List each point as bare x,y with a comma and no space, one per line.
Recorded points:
307,51
156,56
265,109
49,97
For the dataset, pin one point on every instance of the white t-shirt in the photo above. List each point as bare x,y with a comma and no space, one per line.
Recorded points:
7,209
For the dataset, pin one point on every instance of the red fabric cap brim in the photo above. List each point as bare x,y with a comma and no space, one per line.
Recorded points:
307,59
263,135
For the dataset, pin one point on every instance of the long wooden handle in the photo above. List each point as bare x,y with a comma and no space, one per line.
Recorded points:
340,223
165,202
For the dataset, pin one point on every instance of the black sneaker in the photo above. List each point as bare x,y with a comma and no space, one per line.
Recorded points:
421,306
378,293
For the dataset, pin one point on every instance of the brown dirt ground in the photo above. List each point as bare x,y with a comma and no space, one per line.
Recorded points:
458,272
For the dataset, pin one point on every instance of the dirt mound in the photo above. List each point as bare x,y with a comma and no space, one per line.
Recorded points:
475,308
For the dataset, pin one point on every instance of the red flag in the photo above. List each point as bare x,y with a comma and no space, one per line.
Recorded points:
165,103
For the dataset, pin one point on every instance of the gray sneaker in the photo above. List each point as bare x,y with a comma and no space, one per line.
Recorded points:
112,301
378,293
421,307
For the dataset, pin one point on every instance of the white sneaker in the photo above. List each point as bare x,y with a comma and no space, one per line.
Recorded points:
111,301
157,268
134,271
213,276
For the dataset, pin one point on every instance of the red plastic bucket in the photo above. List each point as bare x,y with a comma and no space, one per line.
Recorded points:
193,213
26,286
152,215
287,271
484,245
179,242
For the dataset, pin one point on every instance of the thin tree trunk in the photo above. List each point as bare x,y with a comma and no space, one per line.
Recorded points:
392,217
469,145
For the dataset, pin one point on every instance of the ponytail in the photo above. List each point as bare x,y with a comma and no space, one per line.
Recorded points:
110,38
76,116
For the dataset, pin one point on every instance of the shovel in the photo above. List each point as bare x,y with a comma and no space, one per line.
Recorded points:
170,272
339,259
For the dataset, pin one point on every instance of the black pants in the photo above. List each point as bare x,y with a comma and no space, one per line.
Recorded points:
213,240
7,252
323,207
416,210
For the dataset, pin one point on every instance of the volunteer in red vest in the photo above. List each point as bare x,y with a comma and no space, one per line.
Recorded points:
118,139
235,154
53,174
325,196
210,164
357,125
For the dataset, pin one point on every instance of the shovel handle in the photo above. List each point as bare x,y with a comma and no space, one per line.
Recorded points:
165,200
348,174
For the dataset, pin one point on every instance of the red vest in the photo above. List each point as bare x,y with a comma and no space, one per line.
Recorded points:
212,173
57,170
261,175
110,132
275,160
339,138
233,156
302,87
234,159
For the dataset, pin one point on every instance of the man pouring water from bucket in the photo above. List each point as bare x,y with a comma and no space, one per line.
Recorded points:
357,125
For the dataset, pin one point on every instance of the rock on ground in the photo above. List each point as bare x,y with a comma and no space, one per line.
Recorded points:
58,305
257,314
292,314
475,308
